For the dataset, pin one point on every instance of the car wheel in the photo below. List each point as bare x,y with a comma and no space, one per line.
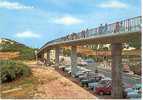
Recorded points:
101,93
84,85
91,88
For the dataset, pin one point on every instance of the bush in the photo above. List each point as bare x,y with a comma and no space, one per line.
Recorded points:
11,70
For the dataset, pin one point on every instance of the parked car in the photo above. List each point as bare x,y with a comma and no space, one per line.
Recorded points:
62,67
67,68
93,85
90,61
82,76
85,82
99,76
69,72
82,63
133,92
91,78
130,73
82,72
105,88
86,75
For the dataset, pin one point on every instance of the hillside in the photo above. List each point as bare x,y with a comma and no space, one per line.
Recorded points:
25,52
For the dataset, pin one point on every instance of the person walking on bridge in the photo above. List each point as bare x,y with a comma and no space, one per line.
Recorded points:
105,28
100,29
83,34
117,27
87,33
129,25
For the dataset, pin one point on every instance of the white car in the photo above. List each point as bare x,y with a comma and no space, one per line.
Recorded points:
62,66
67,68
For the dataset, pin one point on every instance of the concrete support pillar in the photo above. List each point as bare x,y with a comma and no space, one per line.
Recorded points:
57,51
116,51
48,56
73,59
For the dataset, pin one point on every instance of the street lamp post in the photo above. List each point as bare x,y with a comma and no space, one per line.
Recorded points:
36,56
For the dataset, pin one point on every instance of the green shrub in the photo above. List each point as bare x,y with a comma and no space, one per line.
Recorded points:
11,70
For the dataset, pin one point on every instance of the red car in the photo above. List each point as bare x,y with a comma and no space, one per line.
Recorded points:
103,88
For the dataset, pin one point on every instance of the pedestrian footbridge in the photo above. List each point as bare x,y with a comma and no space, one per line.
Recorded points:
118,32
115,34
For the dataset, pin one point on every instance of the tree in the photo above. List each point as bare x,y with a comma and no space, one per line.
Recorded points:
66,52
135,43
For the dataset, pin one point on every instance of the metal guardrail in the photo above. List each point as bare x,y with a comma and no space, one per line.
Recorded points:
128,25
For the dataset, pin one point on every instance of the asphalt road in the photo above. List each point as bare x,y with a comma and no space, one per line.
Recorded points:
129,79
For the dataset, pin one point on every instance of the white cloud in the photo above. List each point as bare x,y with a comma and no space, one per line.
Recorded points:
113,4
27,34
14,5
67,20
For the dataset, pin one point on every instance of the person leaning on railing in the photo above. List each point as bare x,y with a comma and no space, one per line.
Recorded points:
82,34
100,29
105,28
129,24
121,26
117,27
87,33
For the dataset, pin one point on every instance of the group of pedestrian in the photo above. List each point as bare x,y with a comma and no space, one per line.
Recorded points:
102,29
82,34
113,28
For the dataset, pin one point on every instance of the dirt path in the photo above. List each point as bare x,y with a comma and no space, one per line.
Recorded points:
53,85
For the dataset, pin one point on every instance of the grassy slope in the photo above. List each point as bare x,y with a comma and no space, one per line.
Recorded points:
21,88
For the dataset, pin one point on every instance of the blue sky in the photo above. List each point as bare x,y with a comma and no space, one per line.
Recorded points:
34,22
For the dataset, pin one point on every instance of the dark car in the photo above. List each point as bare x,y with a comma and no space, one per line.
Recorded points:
85,82
89,75
81,73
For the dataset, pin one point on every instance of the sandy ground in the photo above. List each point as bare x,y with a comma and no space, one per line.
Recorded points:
54,85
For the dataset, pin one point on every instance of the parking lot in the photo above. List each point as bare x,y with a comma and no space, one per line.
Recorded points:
99,81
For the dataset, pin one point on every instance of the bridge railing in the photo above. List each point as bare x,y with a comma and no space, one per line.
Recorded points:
128,25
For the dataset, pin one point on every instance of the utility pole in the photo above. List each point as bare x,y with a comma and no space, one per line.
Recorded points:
36,56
